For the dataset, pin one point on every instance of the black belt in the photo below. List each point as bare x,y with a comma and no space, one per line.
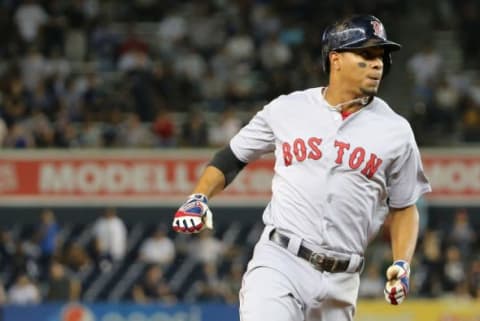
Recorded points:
319,261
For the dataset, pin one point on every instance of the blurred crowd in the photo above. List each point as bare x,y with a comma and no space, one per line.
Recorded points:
90,73
446,262
51,261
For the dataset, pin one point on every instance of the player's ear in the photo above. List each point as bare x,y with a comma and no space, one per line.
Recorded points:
334,60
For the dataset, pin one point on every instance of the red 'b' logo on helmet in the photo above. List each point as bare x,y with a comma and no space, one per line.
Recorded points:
378,29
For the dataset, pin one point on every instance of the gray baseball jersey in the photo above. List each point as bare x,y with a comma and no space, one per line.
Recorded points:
334,179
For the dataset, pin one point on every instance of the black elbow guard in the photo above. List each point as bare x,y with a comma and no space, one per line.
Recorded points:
227,163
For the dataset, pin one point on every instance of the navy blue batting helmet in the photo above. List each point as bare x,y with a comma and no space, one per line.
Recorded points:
359,31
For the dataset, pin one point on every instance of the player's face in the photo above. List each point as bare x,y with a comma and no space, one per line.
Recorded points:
363,69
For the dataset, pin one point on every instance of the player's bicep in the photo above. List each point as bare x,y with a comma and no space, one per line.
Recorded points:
254,139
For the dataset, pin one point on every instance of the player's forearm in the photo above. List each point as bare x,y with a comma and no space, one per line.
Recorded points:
404,232
211,182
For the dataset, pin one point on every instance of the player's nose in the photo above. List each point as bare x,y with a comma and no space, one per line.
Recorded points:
377,63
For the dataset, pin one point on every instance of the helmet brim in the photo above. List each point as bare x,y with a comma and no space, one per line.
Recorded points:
374,42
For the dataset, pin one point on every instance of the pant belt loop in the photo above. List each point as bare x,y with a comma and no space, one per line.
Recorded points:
355,261
294,244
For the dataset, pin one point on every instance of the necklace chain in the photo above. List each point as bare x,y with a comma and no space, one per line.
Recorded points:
339,107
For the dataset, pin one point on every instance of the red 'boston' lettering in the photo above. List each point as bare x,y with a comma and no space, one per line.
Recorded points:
356,158
287,155
313,143
372,166
299,149
341,150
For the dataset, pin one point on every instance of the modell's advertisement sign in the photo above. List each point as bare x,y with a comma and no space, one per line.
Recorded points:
123,178
163,178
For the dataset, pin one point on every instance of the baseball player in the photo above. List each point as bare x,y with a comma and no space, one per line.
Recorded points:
344,160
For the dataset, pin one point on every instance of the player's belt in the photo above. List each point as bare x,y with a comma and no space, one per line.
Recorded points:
319,261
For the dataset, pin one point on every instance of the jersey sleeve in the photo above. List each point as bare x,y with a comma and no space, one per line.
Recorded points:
407,180
254,139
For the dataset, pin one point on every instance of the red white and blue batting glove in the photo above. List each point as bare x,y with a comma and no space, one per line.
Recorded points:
396,288
193,216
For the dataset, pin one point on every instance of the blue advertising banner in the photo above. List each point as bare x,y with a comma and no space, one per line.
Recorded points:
120,312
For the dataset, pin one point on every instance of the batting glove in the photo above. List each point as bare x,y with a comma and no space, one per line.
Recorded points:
193,216
396,288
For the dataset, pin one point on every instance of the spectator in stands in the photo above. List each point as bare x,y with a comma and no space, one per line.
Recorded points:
76,258
47,237
158,249
242,83
133,51
104,40
425,68
92,97
209,287
190,64
172,29
207,28
473,90
7,249
153,288
469,20
432,263
76,38
29,18
23,291
90,134
213,89
471,112
3,294
274,54
135,133
19,137
461,292
61,287
3,131
170,90
164,128
194,130
372,282
474,278
454,269
110,235
462,234
15,104
21,262
471,122
232,282
226,127
240,47
208,249
32,67
70,101
446,106
40,127
54,30
57,66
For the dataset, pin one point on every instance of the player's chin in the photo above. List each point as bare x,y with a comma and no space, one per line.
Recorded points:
369,90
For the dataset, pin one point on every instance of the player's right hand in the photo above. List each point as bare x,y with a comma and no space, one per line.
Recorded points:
193,216
396,288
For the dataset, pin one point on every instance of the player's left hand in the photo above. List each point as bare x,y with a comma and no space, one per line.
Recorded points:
193,216
396,288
